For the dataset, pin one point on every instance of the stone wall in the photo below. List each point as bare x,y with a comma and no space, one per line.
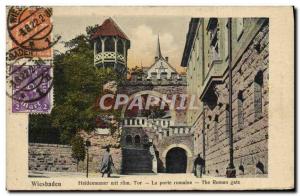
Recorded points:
50,157
97,149
251,141
58,158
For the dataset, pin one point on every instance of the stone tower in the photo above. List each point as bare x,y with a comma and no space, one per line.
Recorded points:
110,47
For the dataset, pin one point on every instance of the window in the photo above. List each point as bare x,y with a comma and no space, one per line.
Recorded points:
240,101
214,38
137,139
258,83
239,27
216,121
128,139
109,45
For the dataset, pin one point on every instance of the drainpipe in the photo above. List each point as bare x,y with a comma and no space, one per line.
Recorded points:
230,170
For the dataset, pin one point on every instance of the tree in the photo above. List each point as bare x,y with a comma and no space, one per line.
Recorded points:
77,87
78,149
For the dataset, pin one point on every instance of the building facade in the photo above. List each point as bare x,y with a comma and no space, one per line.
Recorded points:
227,69
156,142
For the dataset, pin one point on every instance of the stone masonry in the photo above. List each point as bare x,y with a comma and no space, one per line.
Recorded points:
51,157
250,141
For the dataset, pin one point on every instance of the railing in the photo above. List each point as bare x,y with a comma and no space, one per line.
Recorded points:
109,57
162,127
146,122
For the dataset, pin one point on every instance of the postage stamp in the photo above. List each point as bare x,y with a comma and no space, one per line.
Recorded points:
150,98
30,27
31,88
30,31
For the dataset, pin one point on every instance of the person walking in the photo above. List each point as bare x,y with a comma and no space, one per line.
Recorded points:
106,163
199,166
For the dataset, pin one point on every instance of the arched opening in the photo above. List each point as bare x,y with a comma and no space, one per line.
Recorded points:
128,139
137,107
109,45
120,47
241,169
260,169
137,139
176,161
98,46
146,139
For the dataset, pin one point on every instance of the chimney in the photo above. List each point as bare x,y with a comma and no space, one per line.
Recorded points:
167,58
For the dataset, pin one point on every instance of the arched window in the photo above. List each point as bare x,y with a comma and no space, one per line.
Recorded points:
146,139
137,139
98,46
120,47
258,84
240,101
216,121
109,45
128,139
242,169
260,168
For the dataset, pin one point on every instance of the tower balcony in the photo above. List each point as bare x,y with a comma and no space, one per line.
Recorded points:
113,57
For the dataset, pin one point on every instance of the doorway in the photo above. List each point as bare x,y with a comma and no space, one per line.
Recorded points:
176,160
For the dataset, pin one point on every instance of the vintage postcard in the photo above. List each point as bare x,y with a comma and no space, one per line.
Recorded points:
150,98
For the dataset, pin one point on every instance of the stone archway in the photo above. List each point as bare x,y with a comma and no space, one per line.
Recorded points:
145,92
176,160
175,152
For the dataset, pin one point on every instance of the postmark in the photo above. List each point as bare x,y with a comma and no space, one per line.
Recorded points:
31,88
30,29
29,58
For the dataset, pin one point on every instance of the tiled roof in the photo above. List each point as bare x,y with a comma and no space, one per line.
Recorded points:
109,28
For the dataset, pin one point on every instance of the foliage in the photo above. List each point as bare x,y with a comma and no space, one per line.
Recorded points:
77,87
78,149
137,70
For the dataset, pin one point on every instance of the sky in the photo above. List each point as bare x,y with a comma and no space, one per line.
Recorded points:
142,31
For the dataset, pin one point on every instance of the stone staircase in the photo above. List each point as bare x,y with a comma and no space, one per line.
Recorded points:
136,161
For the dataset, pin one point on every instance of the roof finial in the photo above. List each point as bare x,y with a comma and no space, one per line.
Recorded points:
158,51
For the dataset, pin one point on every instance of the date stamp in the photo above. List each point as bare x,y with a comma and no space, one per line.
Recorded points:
31,87
30,30
30,55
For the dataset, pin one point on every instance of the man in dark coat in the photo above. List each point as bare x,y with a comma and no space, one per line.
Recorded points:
199,166
106,163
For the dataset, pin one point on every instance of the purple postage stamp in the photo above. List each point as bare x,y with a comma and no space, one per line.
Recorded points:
31,88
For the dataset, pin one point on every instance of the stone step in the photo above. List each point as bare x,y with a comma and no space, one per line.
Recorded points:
136,161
